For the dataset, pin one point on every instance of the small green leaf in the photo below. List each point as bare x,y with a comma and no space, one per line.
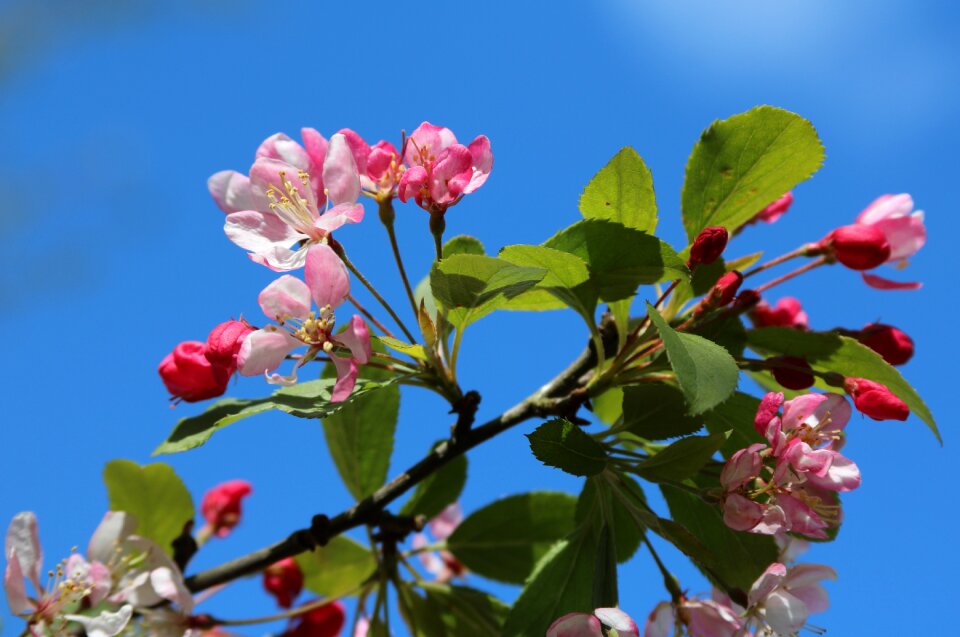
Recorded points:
626,529
560,443
623,192
305,400
154,495
732,559
656,411
360,439
470,286
465,611
462,244
438,490
619,258
743,163
505,539
830,352
706,372
567,280
414,351
608,406
337,568
682,459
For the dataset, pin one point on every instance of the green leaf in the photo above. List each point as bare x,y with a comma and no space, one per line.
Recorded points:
656,411
421,615
438,490
471,286
619,258
734,415
567,280
727,331
706,372
560,443
562,583
623,192
505,539
626,530
733,559
827,351
743,163
608,406
360,439
605,588
462,244
305,400
682,459
465,611
337,568
154,495
414,351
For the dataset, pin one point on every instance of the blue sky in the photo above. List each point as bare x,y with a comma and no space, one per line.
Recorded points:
113,251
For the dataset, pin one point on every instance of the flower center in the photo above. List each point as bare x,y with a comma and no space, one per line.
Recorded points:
287,203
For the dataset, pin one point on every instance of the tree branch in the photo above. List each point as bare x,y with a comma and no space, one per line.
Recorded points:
561,396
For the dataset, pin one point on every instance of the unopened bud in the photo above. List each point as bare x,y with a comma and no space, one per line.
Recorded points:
776,209
859,247
875,400
792,372
221,506
723,291
708,246
746,300
189,376
895,346
323,621
284,581
224,341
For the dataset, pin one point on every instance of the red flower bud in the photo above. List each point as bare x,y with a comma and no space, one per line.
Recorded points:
746,300
708,246
786,313
859,247
886,340
875,400
221,506
224,341
325,621
776,209
725,289
792,372
283,580
189,376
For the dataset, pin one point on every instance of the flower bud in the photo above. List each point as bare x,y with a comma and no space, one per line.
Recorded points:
894,345
792,372
725,289
859,247
875,400
776,209
283,580
746,300
324,621
224,343
786,313
189,376
708,246
221,506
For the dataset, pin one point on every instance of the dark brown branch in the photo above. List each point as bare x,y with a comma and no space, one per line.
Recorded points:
561,396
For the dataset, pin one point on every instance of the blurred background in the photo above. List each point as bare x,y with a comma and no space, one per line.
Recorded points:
112,115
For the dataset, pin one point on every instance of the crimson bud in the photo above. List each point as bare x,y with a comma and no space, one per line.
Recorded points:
221,505
224,341
708,246
324,621
283,580
792,372
875,400
893,344
859,247
189,376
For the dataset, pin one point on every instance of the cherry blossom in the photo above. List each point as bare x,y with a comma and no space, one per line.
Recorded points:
701,618
776,209
904,230
782,598
222,506
591,624
442,564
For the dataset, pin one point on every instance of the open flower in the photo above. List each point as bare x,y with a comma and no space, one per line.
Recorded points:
591,624
287,301
440,170
280,203
893,215
701,617
782,598
380,166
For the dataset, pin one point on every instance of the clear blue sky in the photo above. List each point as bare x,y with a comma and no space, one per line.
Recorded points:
112,120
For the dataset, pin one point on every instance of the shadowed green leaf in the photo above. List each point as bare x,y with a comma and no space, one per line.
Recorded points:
560,443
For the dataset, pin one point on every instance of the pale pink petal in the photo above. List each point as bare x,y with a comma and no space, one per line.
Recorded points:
260,232
880,283
231,191
356,338
906,235
411,183
381,156
287,297
741,468
740,513
283,179
340,175
801,518
450,174
576,625
326,276
784,613
843,475
358,147
15,586
790,547
661,621
23,542
619,621
431,562
482,157
115,527
338,216
362,627
264,350
106,624
316,146
797,410
168,583
426,142
347,371
101,582
279,146
814,597
805,459
806,574
281,259
831,416
885,207
446,521
711,619
768,581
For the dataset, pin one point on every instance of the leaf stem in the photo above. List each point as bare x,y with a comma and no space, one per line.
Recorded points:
816,263
370,317
350,266
387,216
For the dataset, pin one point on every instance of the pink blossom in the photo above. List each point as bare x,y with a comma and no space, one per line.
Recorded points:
776,209
706,618
441,564
287,301
904,230
591,624
222,506
440,171
281,202
380,166
786,313
782,598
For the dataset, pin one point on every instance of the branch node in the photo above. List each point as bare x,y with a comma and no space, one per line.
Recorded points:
466,409
320,529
